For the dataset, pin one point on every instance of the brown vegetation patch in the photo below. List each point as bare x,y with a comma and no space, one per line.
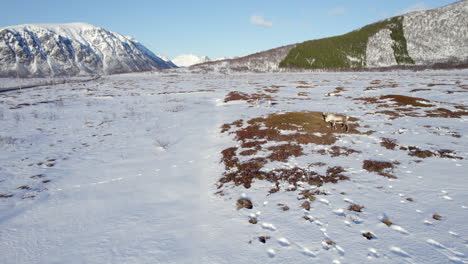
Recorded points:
263,239
437,84
244,203
336,151
309,128
248,152
283,152
419,90
398,100
253,144
406,106
24,187
6,195
227,127
234,96
368,235
445,113
402,100
375,86
37,176
306,205
441,153
437,217
304,94
285,134
253,220
283,207
380,167
388,143
355,208
387,222
251,98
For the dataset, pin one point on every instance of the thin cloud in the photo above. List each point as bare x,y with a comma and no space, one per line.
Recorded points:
337,11
260,21
416,7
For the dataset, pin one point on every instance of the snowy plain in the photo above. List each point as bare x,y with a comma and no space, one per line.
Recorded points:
124,169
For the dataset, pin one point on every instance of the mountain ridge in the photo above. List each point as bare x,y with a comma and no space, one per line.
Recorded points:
420,39
71,49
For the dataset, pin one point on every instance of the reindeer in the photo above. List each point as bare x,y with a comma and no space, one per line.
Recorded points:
334,119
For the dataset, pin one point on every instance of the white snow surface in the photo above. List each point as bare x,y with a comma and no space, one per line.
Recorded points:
124,170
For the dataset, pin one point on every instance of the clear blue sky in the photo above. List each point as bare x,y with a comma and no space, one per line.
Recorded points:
213,27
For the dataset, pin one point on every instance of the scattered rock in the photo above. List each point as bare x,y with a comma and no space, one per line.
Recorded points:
306,205
437,217
244,203
263,239
368,235
355,208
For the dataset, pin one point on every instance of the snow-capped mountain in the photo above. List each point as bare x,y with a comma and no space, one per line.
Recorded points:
187,60
71,49
166,59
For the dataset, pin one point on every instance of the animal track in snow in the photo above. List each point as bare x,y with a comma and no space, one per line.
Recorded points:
373,253
339,212
271,253
308,252
268,226
284,242
399,229
449,253
324,201
400,252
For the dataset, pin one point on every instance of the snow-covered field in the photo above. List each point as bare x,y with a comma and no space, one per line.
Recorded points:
127,169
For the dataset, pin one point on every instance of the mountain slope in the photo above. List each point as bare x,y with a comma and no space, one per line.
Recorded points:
423,38
71,49
265,61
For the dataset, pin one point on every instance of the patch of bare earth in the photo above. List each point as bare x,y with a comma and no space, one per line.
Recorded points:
337,151
250,98
382,168
388,143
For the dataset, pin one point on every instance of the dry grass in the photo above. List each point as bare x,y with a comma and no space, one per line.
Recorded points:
283,152
355,208
406,106
227,127
368,235
263,239
251,98
387,222
388,143
337,151
437,217
441,153
6,195
306,205
419,90
382,168
244,203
